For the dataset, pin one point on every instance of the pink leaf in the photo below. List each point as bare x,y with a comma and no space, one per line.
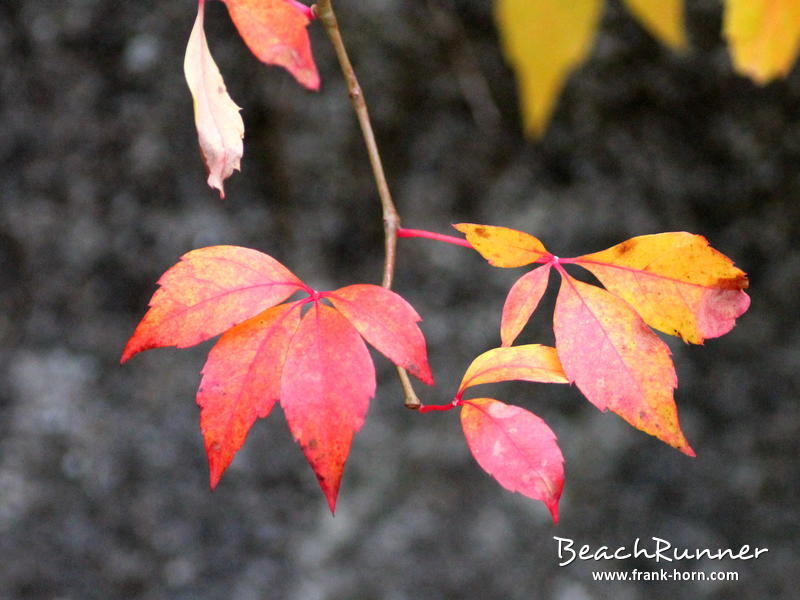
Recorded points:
515,447
522,300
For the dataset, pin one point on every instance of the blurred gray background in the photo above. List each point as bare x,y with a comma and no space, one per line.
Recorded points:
103,481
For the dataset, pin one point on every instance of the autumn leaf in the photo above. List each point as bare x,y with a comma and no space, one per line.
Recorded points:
522,300
208,291
544,40
662,18
387,322
317,365
515,447
763,37
530,362
242,381
220,128
275,31
503,247
675,281
616,361
328,381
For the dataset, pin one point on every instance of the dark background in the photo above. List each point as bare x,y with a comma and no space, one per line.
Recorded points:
103,481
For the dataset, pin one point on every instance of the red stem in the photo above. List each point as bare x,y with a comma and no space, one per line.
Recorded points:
439,237
423,408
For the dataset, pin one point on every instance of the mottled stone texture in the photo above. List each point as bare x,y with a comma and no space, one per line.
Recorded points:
103,482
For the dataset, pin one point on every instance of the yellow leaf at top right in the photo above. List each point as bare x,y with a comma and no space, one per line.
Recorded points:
763,36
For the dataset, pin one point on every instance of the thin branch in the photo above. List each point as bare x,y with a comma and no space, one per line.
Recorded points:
391,219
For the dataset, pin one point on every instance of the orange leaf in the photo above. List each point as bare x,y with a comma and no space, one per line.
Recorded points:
675,281
275,31
763,37
522,300
208,291
241,381
616,361
328,381
503,247
219,125
387,322
515,447
530,362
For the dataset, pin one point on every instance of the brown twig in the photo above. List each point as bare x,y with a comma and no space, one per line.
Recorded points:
391,219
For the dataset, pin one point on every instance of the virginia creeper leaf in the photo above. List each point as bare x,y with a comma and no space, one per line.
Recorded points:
219,125
530,362
616,361
544,40
522,300
275,31
515,447
327,383
675,281
241,381
387,322
208,291
503,247
763,37
662,18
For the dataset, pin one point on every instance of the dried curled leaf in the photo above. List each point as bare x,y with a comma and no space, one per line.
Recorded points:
220,128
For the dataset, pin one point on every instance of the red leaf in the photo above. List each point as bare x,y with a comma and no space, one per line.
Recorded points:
219,125
515,447
616,360
241,381
522,300
275,31
327,383
503,247
387,322
675,281
530,362
207,292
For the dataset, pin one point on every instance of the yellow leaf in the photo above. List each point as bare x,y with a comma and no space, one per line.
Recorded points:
763,36
544,40
662,18
503,247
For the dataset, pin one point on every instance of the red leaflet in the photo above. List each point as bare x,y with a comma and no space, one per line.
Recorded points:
516,448
275,31
242,381
522,300
318,366
328,381
387,322
208,291
616,360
